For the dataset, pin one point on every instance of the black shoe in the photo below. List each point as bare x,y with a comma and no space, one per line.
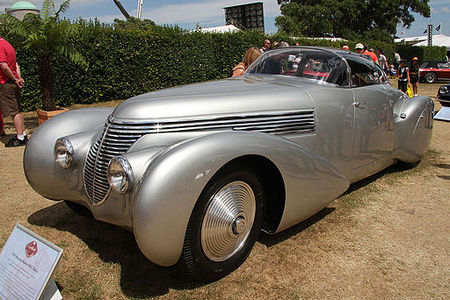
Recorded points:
15,142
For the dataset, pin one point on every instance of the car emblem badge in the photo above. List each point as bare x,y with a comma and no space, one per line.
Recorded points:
31,249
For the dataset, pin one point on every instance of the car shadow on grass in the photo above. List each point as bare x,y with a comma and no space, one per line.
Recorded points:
271,240
139,278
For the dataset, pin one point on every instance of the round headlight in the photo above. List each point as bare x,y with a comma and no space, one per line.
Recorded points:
63,152
120,174
443,90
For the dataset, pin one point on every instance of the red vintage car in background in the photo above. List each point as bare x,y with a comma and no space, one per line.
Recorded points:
430,71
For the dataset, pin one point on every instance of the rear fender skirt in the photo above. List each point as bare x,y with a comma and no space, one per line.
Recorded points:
413,129
175,179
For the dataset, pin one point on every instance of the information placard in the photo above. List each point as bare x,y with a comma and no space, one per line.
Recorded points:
27,262
443,114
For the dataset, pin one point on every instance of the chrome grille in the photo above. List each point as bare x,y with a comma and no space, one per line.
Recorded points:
107,146
117,138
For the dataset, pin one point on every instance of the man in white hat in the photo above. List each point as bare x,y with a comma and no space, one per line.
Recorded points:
361,49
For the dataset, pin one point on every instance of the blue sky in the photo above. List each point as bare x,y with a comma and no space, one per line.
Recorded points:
207,13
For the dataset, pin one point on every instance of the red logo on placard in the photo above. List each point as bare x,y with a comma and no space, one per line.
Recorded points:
31,249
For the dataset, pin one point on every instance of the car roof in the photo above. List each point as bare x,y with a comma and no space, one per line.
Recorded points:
338,52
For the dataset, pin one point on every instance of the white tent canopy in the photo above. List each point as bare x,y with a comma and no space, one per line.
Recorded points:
411,39
220,29
438,40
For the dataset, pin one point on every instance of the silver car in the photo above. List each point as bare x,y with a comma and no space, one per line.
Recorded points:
196,171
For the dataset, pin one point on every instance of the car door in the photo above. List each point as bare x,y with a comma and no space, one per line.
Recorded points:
443,70
373,131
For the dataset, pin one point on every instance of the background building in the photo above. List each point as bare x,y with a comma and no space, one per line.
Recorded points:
21,8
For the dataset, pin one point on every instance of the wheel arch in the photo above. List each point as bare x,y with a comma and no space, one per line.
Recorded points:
273,184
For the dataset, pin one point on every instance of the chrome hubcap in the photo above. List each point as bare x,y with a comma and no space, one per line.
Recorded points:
228,221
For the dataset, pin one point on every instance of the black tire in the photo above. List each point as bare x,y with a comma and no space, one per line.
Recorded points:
430,77
194,259
79,209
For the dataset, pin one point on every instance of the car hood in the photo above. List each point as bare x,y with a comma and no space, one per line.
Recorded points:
217,98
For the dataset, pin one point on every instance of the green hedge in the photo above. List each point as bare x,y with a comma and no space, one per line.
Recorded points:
124,63
422,53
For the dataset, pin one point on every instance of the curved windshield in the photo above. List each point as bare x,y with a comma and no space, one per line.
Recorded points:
308,63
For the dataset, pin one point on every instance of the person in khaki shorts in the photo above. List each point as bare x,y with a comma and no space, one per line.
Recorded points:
10,84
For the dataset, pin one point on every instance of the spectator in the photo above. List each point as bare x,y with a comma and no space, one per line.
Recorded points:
382,60
371,54
403,76
359,48
10,84
266,46
414,74
397,60
345,47
282,44
362,49
392,71
250,56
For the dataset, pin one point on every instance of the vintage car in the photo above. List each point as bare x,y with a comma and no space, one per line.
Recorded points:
430,71
197,171
443,95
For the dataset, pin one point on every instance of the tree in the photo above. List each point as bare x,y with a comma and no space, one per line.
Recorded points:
49,37
351,19
133,24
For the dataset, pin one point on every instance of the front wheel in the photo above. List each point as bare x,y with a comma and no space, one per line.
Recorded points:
224,225
430,77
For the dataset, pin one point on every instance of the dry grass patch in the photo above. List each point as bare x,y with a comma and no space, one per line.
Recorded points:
387,237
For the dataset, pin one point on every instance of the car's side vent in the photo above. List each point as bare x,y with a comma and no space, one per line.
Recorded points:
281,122
293,122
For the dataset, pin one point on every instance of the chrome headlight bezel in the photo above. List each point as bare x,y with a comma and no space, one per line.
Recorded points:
63,152
120,175
443,90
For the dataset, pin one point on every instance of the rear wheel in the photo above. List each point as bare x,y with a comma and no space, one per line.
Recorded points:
224,225
430,77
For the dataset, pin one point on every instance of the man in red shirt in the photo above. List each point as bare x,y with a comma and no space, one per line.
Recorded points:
362,49
10,84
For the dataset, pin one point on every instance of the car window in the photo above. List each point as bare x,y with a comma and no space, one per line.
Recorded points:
383,77
443,65
363,71
307,63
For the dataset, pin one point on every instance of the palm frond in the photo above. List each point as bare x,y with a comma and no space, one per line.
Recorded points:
48,9
64,6
74,56
14,27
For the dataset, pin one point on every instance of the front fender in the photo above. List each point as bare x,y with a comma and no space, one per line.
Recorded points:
175,179
43,174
